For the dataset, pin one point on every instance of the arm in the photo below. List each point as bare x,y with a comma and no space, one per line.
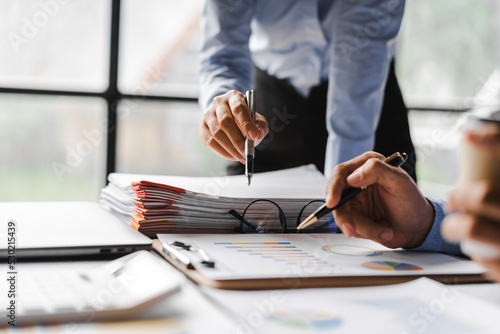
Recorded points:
362,45
225,61
225,73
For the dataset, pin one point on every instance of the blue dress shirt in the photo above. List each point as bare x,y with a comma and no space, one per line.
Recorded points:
434,241
350,43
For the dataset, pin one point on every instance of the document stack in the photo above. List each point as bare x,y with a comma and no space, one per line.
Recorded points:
176,204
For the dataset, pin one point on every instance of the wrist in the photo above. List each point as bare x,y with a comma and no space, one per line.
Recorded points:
427,222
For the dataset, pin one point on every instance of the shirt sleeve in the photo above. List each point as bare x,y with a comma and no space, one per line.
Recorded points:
434,241
362,44
225,61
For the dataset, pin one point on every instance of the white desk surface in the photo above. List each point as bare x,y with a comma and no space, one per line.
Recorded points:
186,312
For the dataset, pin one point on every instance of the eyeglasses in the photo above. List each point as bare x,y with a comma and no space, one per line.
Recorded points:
266,216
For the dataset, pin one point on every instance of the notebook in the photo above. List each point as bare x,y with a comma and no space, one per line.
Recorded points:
173,204
41,229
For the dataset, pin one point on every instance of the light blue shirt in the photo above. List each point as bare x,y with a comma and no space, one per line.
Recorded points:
350,43
435,241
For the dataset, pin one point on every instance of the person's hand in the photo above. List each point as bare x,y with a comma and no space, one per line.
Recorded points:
476,207
226,124
391,211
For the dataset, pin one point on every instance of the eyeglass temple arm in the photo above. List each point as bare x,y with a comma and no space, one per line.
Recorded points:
241,219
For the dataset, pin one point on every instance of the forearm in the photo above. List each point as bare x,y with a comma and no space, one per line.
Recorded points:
225,61
362,46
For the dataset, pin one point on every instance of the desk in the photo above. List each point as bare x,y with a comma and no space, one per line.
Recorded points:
189,311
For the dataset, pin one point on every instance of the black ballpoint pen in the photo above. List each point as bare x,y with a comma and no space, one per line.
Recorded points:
396,160
249,147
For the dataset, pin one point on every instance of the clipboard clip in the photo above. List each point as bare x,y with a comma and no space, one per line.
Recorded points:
175,253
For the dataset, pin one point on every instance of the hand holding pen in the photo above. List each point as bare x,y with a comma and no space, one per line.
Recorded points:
391,211
395,160
227,122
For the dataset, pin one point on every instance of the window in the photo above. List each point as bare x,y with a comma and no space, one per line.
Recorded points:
55,65
88,87
54,44
66,99
53,147
448,60
159,47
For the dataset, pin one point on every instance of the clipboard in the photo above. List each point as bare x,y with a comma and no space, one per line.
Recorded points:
466,271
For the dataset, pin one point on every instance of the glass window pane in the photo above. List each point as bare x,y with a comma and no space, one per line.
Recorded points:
53,148
159,44
55,44
435,136
162,138
447,50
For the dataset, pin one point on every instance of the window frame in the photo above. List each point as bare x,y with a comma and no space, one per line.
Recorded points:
113,96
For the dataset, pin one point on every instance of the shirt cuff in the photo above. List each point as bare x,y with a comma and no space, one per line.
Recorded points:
434,241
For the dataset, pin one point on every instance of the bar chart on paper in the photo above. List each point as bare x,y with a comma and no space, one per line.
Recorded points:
277,252
255,256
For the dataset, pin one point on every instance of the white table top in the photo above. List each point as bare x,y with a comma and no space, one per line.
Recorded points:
189,311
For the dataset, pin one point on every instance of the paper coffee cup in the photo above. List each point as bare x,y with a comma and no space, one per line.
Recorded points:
476,165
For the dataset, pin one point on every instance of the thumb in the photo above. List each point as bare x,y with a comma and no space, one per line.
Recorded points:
375,171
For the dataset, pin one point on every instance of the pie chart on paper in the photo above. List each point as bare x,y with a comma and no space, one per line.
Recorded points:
390,266
350,250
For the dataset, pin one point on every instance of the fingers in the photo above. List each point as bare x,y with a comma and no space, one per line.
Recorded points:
208,140
375,171
357,225
477,219
241,115
227,123
463,226
212,135
337,181
487,139
493,266
225,130
368,229
344,220
478,198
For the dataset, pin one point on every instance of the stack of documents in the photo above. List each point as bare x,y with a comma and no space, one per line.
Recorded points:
174,204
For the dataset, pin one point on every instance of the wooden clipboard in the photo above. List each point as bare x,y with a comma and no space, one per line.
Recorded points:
308,282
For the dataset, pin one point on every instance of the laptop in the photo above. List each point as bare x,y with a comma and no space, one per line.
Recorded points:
54,229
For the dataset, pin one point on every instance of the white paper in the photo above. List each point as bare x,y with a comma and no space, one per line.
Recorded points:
299,182
313,255
420,306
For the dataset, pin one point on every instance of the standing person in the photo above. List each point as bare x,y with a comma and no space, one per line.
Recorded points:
321,71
